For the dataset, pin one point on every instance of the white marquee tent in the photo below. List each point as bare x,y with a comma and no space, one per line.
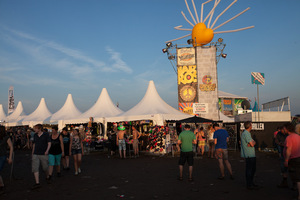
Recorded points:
151,107
104,107
2,114
17,116
41,115
68,112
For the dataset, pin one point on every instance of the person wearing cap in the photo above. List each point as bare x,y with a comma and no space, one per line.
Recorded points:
121,141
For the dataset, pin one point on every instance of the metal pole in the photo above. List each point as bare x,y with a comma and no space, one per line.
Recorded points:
258,102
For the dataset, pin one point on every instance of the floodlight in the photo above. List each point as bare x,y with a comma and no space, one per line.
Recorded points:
220,40
190,41
169,44
224,55
164,50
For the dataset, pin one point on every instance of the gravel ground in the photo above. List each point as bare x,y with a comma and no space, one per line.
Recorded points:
146,177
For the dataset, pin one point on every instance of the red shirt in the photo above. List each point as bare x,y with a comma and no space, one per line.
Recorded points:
293,141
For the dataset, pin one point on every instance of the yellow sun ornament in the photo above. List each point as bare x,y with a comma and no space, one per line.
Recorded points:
202,33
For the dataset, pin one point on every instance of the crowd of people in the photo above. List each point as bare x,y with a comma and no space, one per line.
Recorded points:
51,150
287,140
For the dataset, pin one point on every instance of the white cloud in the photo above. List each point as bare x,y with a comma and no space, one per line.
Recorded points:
118,63
42,47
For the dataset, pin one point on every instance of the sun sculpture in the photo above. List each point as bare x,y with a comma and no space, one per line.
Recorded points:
204,33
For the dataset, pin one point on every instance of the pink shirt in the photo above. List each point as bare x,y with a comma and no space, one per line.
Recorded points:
293,140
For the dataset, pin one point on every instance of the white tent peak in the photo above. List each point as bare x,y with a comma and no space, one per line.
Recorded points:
2,113
68,111
17,115
40,114
151,107
104,107
151,103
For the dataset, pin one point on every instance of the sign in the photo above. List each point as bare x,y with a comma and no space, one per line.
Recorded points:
255,126
186,108
200,108
11,100
186,56
207,84
258,78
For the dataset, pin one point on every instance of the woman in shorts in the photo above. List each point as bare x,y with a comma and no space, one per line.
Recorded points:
201,141
55,152
76,148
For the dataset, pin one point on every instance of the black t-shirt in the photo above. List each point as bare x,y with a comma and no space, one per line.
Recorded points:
55,148
3,146
41,143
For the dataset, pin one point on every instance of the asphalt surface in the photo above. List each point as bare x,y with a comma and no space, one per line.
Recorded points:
146,177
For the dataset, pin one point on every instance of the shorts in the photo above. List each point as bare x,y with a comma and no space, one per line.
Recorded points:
221,154
186,156
211,143
2,162
294,169
135,144
76,151
37,160
122,145
54,160
201,143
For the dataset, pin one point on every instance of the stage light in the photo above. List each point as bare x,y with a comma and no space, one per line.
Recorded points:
224,55
169,44
220,40
190,41
164,50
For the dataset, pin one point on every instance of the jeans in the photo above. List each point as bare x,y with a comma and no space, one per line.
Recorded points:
250,170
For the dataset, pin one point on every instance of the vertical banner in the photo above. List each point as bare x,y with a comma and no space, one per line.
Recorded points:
187,79
11,100
208,81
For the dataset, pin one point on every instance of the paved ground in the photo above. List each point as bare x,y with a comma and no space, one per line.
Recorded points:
147,177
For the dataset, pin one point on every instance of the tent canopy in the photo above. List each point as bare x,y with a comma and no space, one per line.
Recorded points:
151,107
41,115
18,115
2,113
68,111
196,119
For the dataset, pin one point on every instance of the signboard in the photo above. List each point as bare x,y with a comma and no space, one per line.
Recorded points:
186,108
255,126
200,108
186,56
11,100
258,78
187,84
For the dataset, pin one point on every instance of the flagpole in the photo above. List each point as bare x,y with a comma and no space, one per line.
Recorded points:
258,102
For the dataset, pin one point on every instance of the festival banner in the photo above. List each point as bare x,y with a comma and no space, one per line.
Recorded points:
186,108
186,56
187,84
11,101
227,107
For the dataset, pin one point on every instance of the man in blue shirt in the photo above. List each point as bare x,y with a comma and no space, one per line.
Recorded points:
221,138
248,152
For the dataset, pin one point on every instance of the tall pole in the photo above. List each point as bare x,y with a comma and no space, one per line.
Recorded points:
258,102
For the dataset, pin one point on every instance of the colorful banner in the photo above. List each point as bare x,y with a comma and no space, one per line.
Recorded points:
186,108
257,78
186,56
187,84
11,100
227,107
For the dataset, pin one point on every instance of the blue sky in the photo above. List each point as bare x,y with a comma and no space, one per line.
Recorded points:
52,48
